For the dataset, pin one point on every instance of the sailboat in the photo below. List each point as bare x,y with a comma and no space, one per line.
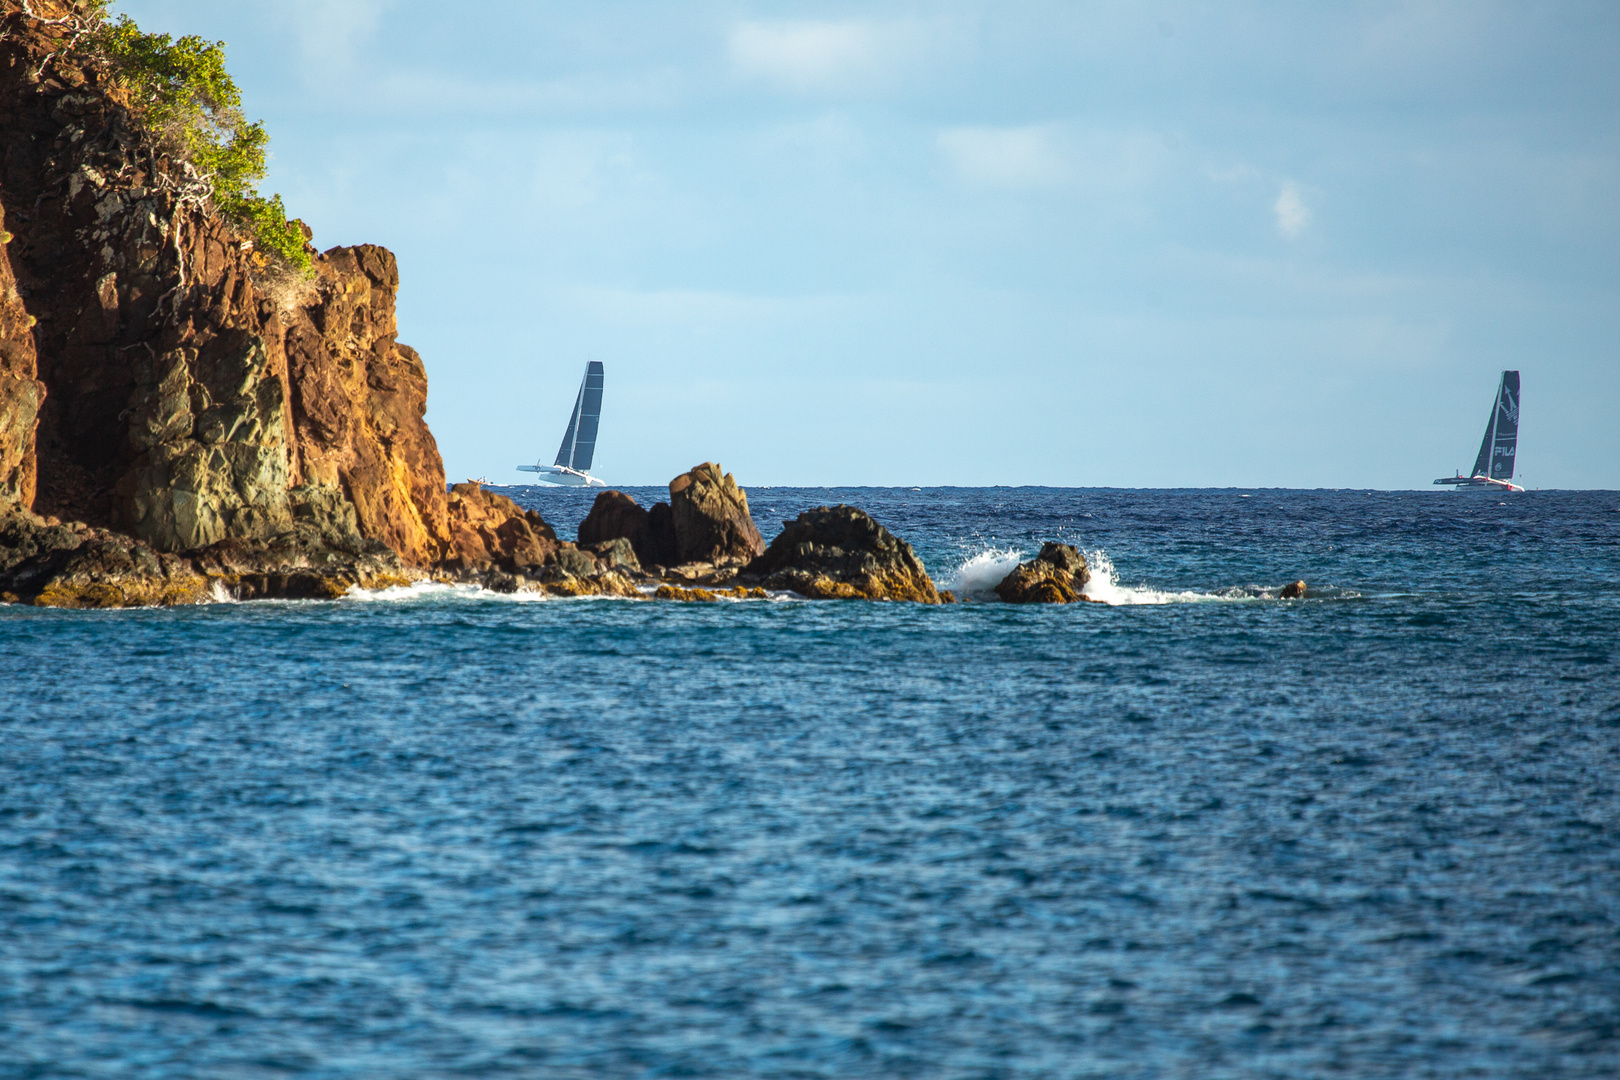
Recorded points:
573,465
1493,469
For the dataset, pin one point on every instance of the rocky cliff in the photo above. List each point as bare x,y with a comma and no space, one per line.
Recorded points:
163,380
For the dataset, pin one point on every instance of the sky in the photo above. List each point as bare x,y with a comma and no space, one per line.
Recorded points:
1124,244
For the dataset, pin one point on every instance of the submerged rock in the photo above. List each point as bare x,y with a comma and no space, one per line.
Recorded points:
1056,576
711,519
839,552
737,592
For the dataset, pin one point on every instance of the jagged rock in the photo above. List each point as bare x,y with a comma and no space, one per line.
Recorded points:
21,393
659,548
300,563
615,515
572,561
699,573
614,554
739,592
839,552
75,566
489,530
160,378
1056,576
357,401
1295,591
710,514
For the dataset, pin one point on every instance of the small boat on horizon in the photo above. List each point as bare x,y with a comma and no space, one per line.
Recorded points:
573,465
1493,469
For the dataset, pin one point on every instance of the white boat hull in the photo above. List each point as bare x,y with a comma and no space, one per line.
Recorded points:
564,477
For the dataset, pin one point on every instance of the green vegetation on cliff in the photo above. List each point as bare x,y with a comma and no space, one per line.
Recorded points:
182,91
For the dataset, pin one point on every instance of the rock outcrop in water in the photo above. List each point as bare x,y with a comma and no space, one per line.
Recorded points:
1058,575
179,399
182,418
712,522
616,516
705,527
839,552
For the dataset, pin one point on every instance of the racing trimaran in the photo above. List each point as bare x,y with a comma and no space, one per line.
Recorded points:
573,465
1493,469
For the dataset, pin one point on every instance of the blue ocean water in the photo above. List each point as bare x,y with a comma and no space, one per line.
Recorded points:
1374,833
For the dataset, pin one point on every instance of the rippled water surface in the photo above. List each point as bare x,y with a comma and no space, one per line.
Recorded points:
1198,834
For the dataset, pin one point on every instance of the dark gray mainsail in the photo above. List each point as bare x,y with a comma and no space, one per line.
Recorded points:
1493,468
588,414
1501,443
579,441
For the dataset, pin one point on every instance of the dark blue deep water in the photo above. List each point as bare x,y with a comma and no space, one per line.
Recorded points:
1375,833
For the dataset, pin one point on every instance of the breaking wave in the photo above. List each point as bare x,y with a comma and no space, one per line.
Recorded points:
437,590
979,574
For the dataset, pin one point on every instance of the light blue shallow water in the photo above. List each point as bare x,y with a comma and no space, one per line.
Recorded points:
1372,833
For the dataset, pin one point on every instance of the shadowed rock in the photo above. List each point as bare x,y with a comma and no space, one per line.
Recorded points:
711,519
615,515
491,531
1295,591
1055,576
839,552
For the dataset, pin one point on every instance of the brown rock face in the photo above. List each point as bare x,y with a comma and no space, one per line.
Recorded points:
358,397
490,531
615,515
79,566
839,552
1296,591
21,394
1055,576
160,379
710,514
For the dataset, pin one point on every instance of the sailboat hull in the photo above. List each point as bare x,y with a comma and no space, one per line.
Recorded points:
1493,468
554,474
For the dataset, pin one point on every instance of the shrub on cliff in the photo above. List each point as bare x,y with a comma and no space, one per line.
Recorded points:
182,91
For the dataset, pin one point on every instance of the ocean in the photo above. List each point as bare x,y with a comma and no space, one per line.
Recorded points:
1194,832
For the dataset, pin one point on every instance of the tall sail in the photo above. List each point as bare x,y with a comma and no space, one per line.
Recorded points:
565,453
1501,442
587,413
1505,425
1493,468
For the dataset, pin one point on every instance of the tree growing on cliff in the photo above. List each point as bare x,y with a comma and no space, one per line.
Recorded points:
181,89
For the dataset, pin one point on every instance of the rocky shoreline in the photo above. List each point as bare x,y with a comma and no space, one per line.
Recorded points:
185,420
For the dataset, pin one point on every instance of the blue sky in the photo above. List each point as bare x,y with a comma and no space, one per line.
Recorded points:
1119,244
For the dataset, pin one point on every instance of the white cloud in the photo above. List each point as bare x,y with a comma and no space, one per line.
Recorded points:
330,30
1019,157
819,55
1292,213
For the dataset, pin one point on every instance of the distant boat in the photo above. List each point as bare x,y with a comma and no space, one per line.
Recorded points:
1493,469
573,465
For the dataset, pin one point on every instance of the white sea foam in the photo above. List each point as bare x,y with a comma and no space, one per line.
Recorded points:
982,572
434,590
1104,586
